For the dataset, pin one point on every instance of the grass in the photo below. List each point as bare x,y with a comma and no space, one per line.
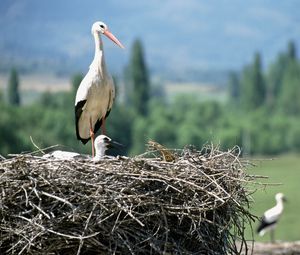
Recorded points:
285,170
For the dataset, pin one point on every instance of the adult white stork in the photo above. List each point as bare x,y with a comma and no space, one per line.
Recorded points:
270,218
102,144
96,92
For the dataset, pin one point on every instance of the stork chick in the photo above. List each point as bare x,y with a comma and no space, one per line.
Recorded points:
102,144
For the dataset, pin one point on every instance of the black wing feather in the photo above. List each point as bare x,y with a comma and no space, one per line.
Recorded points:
263,224
78,112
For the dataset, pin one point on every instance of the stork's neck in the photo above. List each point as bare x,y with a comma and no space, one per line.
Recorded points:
279,204
100,152
98,63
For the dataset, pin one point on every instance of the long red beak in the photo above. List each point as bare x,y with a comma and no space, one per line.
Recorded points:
113,38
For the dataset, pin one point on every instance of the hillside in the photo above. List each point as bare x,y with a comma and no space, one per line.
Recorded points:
178,36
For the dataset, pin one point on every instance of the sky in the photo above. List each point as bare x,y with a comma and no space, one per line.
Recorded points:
176,34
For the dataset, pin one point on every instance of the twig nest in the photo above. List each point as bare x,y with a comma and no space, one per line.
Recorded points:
195,204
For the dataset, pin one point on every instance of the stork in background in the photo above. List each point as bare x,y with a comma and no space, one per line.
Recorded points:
96,92
271,217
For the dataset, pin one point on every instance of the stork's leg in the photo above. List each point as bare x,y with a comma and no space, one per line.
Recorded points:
103,126
272,236
92,134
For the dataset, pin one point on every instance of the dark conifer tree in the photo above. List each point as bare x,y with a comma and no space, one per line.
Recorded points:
76,80
253,85
288,99
292,53
234,88
13,88
139,79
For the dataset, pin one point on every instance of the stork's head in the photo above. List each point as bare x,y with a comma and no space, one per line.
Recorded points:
100,27
102,143
280,197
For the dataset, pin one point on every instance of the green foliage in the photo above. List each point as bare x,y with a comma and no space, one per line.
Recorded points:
76,80
48,99
275,77
277,71
160,126
253,90
230,130
139,79
13,88
189,134
1,96
11,139
292,136
180,107
258,126
57,100
139,137
292,52
234,88
289,99
119,126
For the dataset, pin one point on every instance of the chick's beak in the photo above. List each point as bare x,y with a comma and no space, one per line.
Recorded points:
113,38
114,144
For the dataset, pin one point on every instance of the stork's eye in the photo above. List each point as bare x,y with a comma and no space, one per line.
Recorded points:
105,139
102,26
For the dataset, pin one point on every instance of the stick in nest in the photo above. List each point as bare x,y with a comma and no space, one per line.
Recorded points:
167,155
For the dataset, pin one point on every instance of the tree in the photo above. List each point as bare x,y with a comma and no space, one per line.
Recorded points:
76,80
288,101
13,88
234,87
277,71
1,96
275,76
292,52
253,85
160,124
140,137
47,99
139,78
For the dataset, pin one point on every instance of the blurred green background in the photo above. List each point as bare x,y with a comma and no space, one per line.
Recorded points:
230,76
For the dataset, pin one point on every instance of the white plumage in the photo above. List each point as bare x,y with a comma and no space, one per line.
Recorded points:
96,93
102,144
64,155
270,218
